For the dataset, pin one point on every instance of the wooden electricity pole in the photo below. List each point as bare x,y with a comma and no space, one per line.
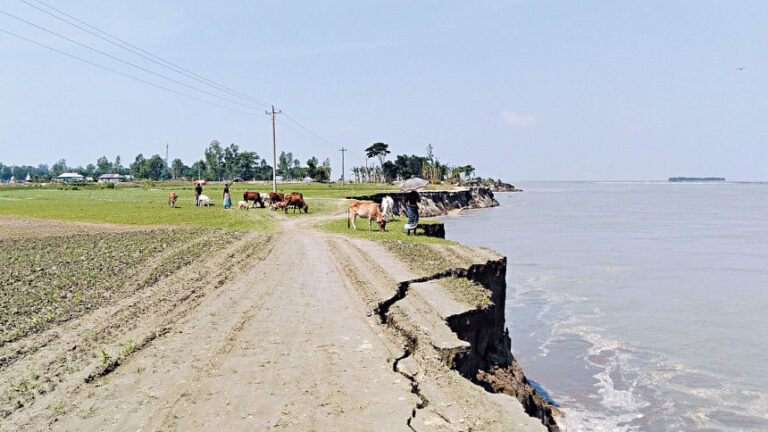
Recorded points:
274,150
342,150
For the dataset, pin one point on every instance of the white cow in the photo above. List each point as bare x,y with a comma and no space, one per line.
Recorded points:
204,200
387,204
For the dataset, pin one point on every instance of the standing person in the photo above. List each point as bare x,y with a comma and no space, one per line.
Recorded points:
412,211
198,192
227,200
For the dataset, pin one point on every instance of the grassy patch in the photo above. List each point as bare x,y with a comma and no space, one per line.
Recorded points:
394,230
129,205
57,278
427,260
143,205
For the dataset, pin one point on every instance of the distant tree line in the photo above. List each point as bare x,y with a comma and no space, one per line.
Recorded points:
218,163
230,163
406,166
44,173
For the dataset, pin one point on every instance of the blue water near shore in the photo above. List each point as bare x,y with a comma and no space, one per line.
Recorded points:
637,306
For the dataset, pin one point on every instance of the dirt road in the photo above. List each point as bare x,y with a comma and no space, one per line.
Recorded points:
290,343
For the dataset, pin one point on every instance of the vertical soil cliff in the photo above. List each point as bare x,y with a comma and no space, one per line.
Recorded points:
487,359
490,362
438,203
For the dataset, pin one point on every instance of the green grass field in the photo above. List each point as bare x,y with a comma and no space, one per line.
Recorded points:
148,205
394,230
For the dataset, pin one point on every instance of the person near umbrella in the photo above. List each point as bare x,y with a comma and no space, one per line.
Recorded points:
227,200
410,187
412,211
198,192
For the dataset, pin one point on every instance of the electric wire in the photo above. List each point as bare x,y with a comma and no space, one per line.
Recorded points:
307,130
141,52
125,61
150,57
124,74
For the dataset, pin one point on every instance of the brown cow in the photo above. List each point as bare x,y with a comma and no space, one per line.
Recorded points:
297,201
366,209
172,199
275,198
253,196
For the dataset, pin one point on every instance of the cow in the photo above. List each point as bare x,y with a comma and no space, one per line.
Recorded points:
387,204
264,197
253,196
172,199
242,205
366,209
297,201
278,205
205,200
275,198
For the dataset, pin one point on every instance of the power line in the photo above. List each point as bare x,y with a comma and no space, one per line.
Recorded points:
124,74
307,130
125,61
140,52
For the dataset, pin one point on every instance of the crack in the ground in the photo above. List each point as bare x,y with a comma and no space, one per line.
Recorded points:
382,310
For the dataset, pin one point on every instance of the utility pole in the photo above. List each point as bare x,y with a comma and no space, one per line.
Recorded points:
274,151
342,150
166,158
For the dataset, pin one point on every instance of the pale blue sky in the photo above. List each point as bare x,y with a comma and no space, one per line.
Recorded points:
523,90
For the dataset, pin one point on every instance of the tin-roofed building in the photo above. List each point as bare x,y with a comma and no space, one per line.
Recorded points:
111,178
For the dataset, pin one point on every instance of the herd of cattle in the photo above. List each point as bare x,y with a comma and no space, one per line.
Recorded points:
276,201
364,209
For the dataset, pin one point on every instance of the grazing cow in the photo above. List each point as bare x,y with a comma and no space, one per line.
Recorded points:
172,199
297,201
278,205
366,209
205,200
253,196
242,205
264,197
275,198
387,204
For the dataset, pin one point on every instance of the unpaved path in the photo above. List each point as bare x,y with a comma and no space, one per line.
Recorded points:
292,344
286,345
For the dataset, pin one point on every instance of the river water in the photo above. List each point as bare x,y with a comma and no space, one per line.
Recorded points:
637,306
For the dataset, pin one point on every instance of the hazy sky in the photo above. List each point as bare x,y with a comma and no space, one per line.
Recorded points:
523,90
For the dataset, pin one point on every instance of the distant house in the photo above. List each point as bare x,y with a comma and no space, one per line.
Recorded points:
111,178
308,180
28,179
68,177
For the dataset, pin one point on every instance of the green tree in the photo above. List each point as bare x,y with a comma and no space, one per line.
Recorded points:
214,161
155,168
138,168
231,155
117,168
378,150
59,167
312,166
178,168
245,165
103,166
